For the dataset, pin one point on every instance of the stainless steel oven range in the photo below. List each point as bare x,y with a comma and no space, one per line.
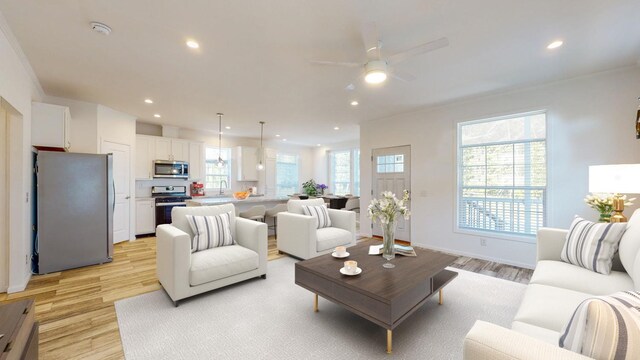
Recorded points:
167,197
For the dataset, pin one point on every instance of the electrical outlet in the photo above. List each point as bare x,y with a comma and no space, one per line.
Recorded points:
483,242
26,259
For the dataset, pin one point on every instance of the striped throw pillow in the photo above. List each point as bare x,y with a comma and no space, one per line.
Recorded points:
210,231
605,327
592,245
320,212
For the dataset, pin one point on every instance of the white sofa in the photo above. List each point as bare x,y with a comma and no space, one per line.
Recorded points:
298,234
554,292
184,274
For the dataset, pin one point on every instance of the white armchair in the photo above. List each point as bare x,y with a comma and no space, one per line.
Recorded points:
183,274
298,234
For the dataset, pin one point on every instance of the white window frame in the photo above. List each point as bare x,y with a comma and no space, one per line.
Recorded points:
227,166
297,167
526,238
352,182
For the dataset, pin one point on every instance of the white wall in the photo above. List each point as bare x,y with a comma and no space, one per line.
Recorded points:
18,88
590,121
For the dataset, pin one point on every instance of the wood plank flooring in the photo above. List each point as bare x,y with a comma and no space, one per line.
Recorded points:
76,310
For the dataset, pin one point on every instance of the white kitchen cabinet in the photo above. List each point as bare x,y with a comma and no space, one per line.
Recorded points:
171,149
50,125
179,150
145,216
196,161
247,159
270,172
145,151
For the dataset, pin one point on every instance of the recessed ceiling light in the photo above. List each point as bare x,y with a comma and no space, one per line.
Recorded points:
354,103
193,44
277,135
336,128
100,28
228,127
554,45
156,115
318,144
284,139
148,101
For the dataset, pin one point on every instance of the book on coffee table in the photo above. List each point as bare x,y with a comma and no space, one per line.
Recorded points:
400,250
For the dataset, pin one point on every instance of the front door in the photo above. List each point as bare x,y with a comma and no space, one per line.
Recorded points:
122,181
392,172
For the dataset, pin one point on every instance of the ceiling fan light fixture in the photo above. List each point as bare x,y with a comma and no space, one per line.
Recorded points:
376,72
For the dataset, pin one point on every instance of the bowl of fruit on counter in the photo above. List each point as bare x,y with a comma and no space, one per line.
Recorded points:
241,195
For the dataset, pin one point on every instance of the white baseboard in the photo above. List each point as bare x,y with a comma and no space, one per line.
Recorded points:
19,287
477,256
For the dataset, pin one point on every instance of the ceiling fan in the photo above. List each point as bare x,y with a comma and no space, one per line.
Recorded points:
377,69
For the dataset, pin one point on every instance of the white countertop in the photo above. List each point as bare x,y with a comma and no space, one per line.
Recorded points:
231,200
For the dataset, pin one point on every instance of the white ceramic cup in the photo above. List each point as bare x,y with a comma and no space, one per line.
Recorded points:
350,266
341,250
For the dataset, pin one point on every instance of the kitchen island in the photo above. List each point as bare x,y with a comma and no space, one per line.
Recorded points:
241,205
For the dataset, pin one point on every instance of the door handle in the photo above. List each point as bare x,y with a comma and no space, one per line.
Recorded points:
127,197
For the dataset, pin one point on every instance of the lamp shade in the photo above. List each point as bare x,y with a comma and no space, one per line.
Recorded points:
621,179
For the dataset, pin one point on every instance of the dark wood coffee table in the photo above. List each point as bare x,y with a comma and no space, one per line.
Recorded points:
386,297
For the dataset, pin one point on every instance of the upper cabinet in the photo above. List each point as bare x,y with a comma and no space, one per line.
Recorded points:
50,125
171,149
150,148
247,159
196,160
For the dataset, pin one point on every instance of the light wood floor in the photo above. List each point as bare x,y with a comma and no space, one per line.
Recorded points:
76,310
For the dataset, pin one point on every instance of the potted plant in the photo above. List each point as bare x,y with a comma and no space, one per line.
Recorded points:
310,188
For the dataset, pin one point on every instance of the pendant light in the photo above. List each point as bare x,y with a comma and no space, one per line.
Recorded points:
220,162
260,166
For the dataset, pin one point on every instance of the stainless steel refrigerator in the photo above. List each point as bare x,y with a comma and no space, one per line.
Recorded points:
74,205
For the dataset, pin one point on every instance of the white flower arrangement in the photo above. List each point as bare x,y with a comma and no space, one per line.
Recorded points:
603,203
385,209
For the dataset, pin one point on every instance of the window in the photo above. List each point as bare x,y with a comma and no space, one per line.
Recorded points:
502,174
344,172
215,175
286,174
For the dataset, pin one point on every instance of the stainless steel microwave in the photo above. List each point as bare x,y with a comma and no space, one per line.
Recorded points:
170,169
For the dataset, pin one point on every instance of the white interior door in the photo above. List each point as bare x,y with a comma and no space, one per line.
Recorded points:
392,172
122,181
4,201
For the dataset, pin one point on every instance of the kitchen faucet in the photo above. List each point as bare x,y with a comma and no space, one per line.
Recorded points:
225,186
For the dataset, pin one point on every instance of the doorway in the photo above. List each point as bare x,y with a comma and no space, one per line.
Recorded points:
391,169
4,200
122,183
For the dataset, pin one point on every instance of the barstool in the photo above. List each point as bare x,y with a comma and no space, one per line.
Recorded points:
273,213
254,213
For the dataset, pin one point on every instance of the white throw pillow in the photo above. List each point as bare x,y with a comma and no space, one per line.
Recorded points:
210,231
592,245
605,327
320,212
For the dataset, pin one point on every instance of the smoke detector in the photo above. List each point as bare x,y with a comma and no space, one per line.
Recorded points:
100,28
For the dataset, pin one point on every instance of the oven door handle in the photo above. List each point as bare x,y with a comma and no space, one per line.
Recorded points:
172,204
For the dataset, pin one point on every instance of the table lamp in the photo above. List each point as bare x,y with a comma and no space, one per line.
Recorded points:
615,179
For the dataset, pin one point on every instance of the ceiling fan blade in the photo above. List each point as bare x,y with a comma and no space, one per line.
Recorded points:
352,84
371,40
336,63
420,49
402,76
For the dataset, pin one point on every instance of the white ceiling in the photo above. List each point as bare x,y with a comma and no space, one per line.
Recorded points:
253,61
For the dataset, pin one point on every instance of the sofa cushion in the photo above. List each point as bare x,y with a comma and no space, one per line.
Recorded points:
629,249
179,218
605,327
537,332
592,245
548,306
329,238
221,262
210,231
320,213
295,206
572,277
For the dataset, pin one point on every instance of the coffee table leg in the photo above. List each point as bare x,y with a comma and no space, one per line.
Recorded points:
389,340
440,299
315,303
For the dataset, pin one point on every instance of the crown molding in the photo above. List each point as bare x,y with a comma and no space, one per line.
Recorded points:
15,45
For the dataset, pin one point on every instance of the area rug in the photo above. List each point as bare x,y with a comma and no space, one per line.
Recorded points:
274,319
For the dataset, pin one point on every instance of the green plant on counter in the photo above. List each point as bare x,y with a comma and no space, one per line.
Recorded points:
309,188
